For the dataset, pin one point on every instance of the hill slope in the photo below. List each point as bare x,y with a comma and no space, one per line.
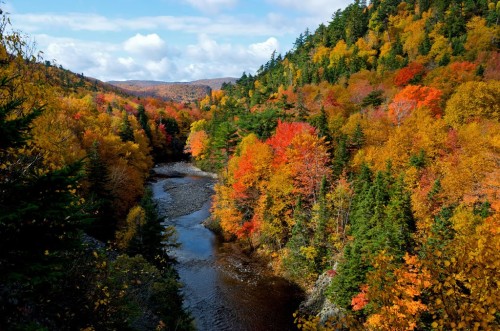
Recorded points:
175,91
369,154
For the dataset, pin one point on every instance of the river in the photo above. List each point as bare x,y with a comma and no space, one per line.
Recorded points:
224,289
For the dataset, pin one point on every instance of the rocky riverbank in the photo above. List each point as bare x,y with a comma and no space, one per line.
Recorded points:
183,197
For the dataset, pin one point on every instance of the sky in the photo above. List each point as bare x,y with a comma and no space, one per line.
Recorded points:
167,40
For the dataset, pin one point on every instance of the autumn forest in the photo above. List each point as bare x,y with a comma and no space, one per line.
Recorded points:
368,155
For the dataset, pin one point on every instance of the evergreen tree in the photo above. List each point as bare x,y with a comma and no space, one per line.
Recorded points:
358,137
399,223
126,132
99,196
40,218
109,109
152,240
425,47
14,130
321,217
302,111
296,264
142,117
374,98
340,156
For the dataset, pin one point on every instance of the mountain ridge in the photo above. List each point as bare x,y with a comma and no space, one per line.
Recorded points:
175,91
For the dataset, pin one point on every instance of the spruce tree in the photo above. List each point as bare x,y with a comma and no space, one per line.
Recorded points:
340,156
126,132
40,218
142,117
99,195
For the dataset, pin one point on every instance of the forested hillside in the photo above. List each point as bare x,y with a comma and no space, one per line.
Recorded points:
371,153
179,92
82,247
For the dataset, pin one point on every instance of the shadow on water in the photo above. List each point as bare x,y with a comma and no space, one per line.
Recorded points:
223,288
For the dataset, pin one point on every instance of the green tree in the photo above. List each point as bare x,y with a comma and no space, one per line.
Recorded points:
40,217
142,117
126,132
99,196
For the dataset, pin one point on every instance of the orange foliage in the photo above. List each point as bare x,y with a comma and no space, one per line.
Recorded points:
197,144
308,158
395,293
251,168
411,97
405,75
360,300
285,133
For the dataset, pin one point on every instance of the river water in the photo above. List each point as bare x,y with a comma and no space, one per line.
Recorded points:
223,288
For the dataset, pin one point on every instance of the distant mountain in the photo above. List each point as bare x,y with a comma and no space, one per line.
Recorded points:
215,83
175,91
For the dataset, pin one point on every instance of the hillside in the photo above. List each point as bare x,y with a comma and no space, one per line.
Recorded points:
368,156
363,165
179,92
75,154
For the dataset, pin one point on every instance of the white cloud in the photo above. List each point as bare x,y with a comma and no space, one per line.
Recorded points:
206,58
149,46
220,25
209,58
72,21
322,10
264,49
211,6
166,48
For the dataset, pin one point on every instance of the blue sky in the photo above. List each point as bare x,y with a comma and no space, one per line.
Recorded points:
166,40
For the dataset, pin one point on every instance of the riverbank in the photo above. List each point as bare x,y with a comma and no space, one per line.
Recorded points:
224,287
183,196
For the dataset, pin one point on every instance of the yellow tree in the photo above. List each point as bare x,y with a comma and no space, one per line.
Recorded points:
395,293
474,100
464,294
479,36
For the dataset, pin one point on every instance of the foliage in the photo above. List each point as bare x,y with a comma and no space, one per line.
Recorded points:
473,100
379,124
72,164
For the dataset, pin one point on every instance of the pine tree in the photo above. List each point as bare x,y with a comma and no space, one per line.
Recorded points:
126,132
152,239
398,222
14,130
358,137
40,218
142,117
340,156
99,195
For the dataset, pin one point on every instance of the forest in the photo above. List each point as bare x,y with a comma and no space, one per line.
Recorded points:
82,247
369,154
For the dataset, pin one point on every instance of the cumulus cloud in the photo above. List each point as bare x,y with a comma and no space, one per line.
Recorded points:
264,49
205,58
173,48
151,45
209,58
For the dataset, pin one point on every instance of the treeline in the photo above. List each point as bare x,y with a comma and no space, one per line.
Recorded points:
369,153
82,245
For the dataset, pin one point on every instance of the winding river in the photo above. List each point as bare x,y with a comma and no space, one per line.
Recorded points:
223,288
